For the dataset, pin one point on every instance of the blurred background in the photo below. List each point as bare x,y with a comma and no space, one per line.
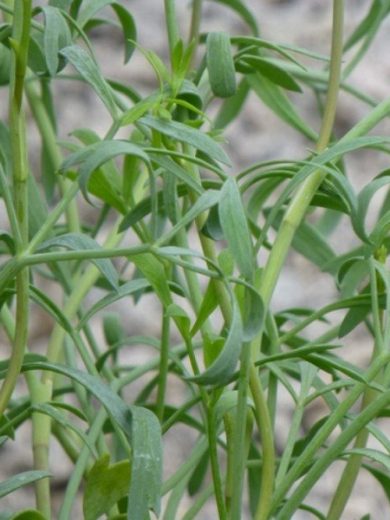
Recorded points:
257,135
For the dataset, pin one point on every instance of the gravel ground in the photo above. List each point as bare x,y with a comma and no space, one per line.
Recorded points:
257,135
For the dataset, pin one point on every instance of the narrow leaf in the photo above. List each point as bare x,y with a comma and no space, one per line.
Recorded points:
89,8
272,72
127,289
220,65
89,71
243,12
153,270
142,431
235,228
79,242
278,102
375,455
101,153
222,369
186,134
207,200
56,36
129,28
22,479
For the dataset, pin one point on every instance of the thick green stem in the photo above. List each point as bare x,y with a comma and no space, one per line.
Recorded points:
264,424
20,43
292,219
172,24
42,392
195,26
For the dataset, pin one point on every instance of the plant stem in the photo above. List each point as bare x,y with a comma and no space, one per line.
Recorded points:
351,470
172,24
236,452
20,39
335,449
195,21
42,391
163,368
263,421
212,439
49,139
304,460
292,219
50,222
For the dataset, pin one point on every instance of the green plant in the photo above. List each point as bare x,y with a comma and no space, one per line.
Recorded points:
199,234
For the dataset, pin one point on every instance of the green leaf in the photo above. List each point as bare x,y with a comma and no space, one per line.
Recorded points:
113,329
232,107
332,364
126,289
102,152
352,319
375,455
79,242
278,102
368,24
153,270
207,200
89,71
363,200
22,479
221,370
300,353
235,228
146,471
313,511
8,241
62,4
100,495
252,311
198,475
50,410
89,8
272,72
142,431
139,109
190,93
180,317
243,12
57,35
321,161
186,134
381,476
105,182
249,45
220,64
208,305
129,28
28,514
173,168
